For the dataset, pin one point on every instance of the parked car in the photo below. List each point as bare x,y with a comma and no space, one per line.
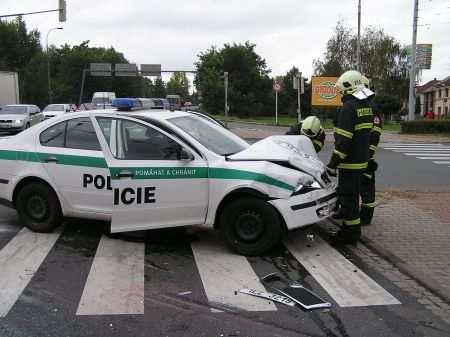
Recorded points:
18,117
158,169
53,110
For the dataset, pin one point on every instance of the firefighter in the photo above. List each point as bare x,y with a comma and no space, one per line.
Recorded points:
311,128
351,152
368,177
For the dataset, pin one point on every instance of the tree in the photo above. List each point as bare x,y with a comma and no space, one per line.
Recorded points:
250,87
178,85
288,97
383,59
159,88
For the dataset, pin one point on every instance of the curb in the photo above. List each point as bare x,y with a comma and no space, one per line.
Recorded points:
418,276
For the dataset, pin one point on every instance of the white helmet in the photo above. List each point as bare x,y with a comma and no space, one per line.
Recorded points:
311,126
366,82
349,82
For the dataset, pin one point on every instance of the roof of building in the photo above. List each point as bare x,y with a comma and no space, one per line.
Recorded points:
430,85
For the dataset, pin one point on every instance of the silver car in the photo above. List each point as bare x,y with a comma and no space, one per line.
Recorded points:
18,117
53,110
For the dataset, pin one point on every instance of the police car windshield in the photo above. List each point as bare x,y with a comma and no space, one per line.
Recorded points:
211,136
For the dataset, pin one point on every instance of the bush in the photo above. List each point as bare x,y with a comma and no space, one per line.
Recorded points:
426,126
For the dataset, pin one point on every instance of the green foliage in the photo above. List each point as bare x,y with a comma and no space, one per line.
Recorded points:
249,91
383,59
178,85
288,97
387,105
426,126
158,90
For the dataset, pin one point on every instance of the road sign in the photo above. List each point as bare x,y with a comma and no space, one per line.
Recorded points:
125,69
62,10
100,69
150,69
424,53
324,93
277,86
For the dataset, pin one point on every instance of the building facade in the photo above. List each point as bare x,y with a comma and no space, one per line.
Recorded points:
434,96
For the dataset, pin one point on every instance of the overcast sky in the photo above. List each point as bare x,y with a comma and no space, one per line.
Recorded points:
286,32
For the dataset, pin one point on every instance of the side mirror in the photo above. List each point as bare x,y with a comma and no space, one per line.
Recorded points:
185,155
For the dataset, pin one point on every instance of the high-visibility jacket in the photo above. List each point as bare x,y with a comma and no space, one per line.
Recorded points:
375,135
318,141
352,133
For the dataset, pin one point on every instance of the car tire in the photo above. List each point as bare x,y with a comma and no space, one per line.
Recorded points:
250,226
38,208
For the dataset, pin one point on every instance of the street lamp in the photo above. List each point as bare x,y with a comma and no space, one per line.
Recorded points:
48,65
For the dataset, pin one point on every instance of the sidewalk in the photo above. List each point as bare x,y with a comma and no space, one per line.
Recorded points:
254,131
412,230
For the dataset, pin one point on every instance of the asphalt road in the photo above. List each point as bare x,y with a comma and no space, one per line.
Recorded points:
174,282
177,298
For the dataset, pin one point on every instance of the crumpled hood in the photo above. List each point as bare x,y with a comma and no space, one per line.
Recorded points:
296,150
5,117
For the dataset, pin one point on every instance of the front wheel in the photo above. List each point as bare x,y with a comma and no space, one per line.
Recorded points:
250,226
38,208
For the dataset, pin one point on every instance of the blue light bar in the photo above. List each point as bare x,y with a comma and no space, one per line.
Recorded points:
126,104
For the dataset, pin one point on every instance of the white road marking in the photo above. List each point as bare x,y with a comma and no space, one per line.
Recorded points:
411,144
435,148
115,284
429,154
224,273
19,261
434,158
344,282
442,162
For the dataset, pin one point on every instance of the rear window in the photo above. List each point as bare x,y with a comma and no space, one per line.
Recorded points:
76,133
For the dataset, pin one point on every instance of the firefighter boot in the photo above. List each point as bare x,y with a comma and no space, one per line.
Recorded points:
347,235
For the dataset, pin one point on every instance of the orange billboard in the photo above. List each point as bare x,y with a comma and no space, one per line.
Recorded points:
324,92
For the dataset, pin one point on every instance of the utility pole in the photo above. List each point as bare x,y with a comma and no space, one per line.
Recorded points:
50,94
412,72
358,42
299,92
225,79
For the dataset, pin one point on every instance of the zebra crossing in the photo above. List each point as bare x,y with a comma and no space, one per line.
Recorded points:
438,153
116,281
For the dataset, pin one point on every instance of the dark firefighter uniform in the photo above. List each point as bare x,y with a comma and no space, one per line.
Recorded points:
352,135
318,141
368,177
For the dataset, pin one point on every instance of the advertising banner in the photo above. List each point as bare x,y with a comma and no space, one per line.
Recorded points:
324,93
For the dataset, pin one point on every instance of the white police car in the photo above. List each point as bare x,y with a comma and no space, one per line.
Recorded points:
154,169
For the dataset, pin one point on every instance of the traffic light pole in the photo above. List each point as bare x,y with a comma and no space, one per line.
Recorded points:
412,73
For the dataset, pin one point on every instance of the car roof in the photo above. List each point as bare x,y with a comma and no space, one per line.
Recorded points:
156,114
20,105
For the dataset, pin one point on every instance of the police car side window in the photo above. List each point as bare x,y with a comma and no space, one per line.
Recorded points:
54,136
80,134
141,142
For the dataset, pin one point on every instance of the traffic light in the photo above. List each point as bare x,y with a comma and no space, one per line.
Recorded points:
62,10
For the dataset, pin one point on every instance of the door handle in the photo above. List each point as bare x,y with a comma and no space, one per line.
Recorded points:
51,160
125,174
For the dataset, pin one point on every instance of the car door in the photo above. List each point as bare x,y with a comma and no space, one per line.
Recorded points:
157,181
74,161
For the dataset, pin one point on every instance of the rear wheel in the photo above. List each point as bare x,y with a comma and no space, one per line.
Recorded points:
250,226
38,208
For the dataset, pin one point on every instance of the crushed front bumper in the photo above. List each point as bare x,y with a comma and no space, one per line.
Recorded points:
305,209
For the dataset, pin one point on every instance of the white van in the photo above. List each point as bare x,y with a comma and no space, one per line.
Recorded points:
103,99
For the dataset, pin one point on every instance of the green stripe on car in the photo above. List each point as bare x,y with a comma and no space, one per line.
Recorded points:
146,172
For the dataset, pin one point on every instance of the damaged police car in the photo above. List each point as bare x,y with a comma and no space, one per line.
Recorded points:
142,169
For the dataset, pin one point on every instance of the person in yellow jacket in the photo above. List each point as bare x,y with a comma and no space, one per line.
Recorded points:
311,128
350,156
368,177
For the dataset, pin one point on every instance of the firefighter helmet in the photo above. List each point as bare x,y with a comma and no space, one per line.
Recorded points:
311,126
366,82
349,82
